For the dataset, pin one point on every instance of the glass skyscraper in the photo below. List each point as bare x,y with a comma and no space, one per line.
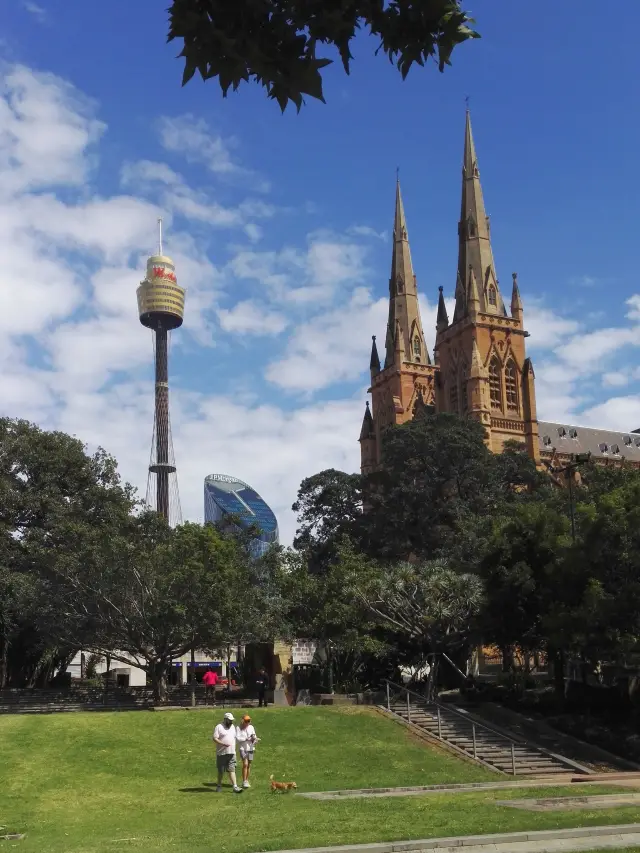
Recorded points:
226,496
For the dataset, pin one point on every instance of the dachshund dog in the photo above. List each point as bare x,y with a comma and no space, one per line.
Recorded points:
282,786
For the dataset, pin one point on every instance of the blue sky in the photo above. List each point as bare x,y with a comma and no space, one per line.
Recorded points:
279,226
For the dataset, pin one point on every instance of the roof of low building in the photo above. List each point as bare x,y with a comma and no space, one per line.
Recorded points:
601,443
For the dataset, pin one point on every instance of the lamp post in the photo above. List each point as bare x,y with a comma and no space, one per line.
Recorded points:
569,471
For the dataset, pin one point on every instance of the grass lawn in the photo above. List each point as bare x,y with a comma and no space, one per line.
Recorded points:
83,783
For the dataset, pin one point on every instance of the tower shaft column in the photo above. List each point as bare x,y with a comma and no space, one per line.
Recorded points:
162,421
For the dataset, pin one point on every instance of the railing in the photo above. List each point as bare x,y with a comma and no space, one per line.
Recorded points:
454,712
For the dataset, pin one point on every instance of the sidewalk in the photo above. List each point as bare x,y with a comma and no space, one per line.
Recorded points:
619,780
547,841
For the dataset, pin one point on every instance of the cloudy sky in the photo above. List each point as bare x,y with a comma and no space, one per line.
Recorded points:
279,227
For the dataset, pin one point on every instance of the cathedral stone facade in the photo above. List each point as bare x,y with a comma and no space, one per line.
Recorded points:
479,367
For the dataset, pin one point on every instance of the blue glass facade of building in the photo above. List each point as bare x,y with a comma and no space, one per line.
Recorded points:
225,496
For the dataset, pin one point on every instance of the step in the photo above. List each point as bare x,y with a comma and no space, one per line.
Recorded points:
490,747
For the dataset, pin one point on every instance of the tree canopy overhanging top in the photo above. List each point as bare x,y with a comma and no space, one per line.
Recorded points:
275,42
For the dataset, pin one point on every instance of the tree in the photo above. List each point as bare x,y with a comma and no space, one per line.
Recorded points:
524,577
47,483
325,606
605,569
152,593
274,42
436,489
429,604
329,506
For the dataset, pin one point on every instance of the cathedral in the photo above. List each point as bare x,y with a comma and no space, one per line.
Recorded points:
479,367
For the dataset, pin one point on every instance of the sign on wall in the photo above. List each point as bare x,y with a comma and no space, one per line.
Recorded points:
303,652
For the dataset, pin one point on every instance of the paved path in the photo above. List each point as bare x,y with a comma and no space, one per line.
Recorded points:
467,788
547,841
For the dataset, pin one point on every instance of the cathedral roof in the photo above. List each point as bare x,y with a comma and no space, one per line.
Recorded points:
601,443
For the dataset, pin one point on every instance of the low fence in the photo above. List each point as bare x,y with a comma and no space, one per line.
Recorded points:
110,697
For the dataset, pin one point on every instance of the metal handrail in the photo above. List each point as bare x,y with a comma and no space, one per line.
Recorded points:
477,724
457,713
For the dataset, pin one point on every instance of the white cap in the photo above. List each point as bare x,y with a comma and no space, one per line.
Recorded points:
228,716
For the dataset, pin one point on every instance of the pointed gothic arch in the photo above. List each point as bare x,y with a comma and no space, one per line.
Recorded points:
492,295
511,377
415,342
495,382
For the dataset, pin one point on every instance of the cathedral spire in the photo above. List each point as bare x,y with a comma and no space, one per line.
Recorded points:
368,429
374,361
474,237
404,312
442,320
516,301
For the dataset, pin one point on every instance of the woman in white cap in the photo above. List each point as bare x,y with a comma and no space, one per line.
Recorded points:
224,736
247,740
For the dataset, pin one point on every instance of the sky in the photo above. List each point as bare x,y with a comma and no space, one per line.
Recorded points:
279,226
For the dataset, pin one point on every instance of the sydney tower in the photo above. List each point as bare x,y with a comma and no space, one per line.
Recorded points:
161,309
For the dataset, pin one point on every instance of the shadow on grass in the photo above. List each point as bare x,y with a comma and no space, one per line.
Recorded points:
197,790
206,788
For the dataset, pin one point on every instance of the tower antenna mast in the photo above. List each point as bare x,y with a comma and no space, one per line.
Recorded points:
160,252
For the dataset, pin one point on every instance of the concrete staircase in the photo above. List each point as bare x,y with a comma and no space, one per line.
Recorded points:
476,740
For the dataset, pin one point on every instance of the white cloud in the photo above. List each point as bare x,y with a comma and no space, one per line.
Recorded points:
616,379
192,137
331,348
367,231
329,266
584,281
249,317
37,11
633,312
547,328
616,413
176,196
254,232
46,127
587,353
35,290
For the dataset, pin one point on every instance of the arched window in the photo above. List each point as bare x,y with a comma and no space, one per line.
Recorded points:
453,395
511,385
495,383
416,348
492,296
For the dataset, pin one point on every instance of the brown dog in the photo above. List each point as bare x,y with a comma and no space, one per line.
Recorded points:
282,786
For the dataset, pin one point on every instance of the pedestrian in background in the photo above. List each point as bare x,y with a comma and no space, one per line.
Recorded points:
209,679
262,683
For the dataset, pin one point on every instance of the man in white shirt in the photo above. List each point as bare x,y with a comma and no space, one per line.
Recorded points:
247,739
224,736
